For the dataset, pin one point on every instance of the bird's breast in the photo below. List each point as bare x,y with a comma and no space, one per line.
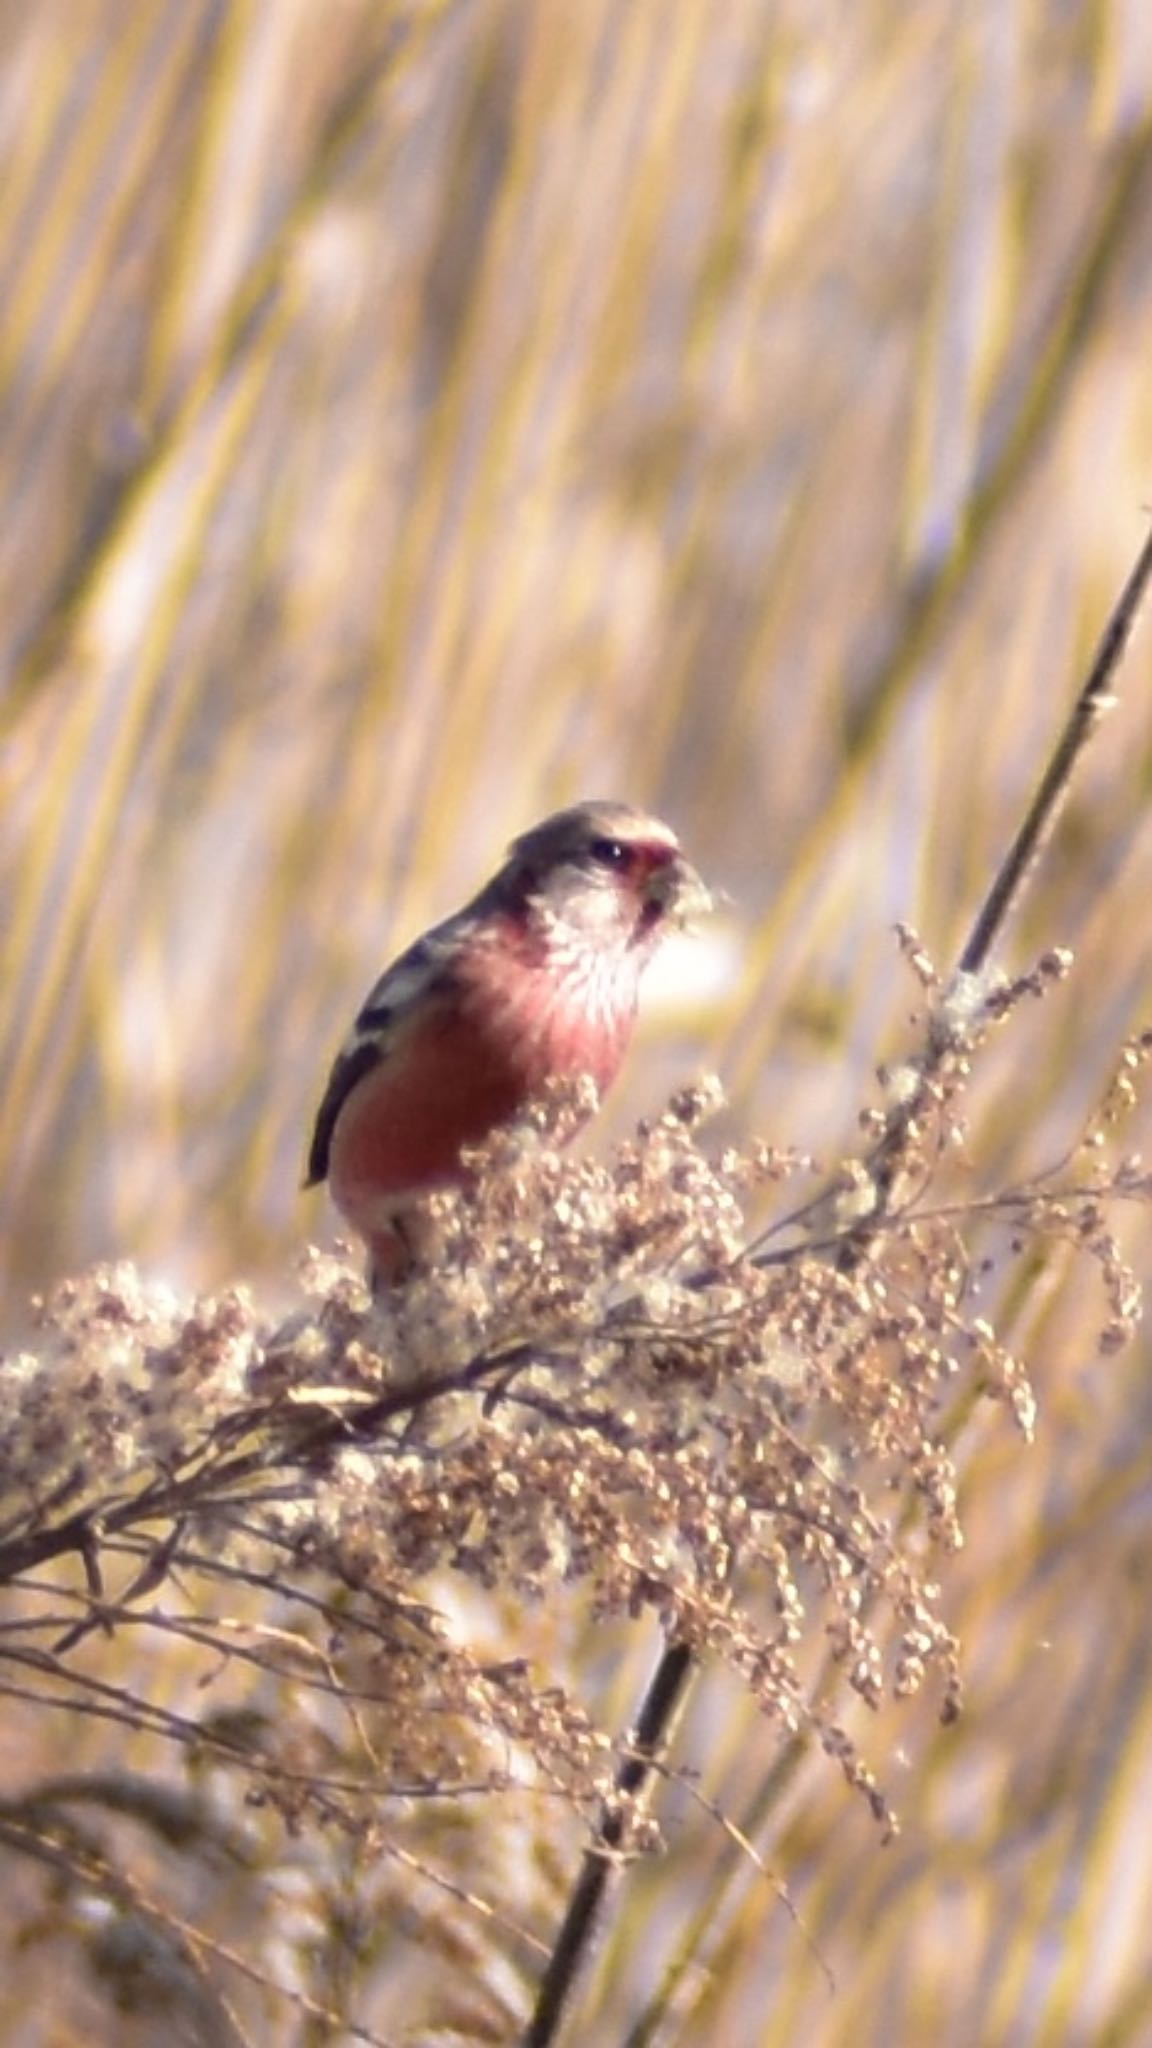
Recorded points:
561,1012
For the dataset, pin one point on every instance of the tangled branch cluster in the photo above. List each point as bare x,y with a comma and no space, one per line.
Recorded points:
609,1380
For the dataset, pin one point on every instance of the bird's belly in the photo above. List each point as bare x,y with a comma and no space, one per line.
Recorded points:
405,1124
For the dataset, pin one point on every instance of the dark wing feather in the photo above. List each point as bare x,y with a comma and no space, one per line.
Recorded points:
416,973
350,1068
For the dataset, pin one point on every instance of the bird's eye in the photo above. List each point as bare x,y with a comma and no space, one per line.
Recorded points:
612,853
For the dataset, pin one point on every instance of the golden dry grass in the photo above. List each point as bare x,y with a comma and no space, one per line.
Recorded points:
415,417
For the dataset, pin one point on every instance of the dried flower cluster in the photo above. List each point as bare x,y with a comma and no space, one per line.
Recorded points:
609,1381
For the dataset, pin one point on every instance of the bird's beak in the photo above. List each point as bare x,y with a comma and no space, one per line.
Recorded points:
679,892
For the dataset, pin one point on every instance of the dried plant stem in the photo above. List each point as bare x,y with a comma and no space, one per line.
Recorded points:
668,1689
1094,700
660,1712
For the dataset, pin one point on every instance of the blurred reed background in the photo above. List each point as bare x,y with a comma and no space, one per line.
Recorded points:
415,417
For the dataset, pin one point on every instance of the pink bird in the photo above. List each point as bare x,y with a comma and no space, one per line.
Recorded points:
536,978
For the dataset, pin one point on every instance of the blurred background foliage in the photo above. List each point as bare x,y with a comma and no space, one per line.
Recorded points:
415,417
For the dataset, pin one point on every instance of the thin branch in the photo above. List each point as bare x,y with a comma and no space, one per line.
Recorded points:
1095,699
662,1707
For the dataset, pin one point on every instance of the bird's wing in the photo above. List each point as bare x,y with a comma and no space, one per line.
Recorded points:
348,1068
392,1000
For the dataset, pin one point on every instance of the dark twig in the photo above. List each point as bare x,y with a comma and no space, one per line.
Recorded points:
662,1706
1093,701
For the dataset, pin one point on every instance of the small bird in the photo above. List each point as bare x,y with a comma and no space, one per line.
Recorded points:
535,979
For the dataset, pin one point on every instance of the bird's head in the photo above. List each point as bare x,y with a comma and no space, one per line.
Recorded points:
607,874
